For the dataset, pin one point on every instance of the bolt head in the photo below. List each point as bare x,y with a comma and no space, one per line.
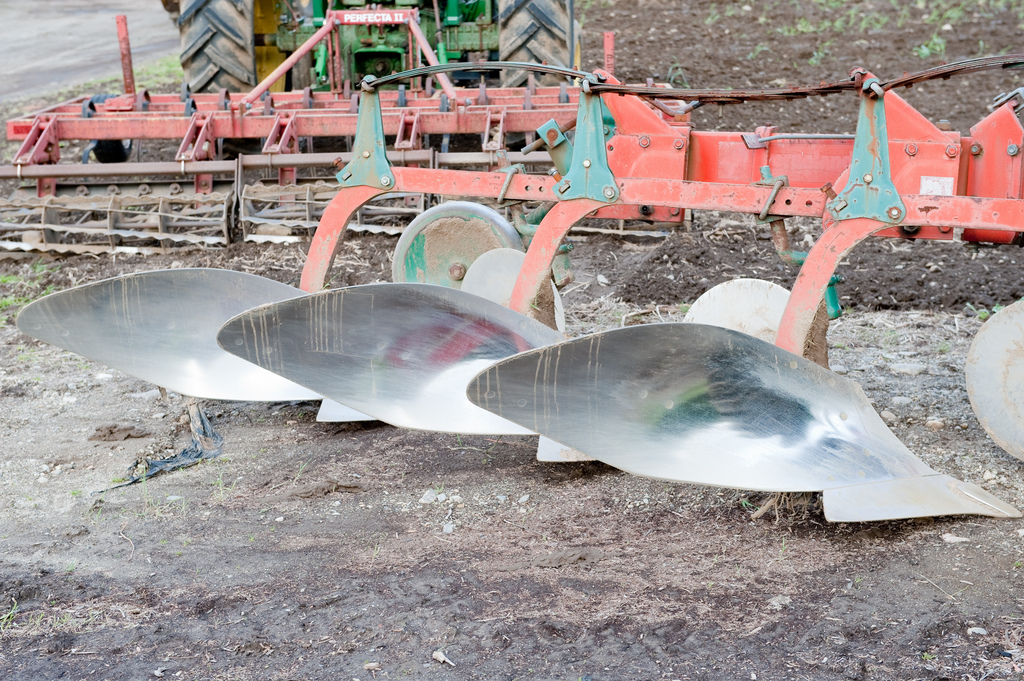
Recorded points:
1013,150
645,141
895,213
457,271
609,192
975,148
678,144
868,178
952,151
911,149
586,163
366,154
386,181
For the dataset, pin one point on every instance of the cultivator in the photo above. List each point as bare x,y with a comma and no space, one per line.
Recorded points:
686,402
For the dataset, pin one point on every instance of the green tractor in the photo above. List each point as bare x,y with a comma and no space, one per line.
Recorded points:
234,44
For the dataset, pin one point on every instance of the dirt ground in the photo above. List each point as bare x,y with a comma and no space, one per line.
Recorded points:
334,551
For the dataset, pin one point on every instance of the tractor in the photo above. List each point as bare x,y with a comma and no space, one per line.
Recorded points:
234,44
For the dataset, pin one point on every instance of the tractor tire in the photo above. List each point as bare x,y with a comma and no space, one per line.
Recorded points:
534,31
217,45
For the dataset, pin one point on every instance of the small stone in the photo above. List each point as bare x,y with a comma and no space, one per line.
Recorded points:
429,497
989,475
147,395
778,602
907,368
279,519
372,666
291,422
159,415
442,496
104,377
840,369
43,478
441,657
523,499
502,498
602,280
900,400
174,497
1020,532
934,424
455,499
177,264
888,416
977,631
951,538
448,528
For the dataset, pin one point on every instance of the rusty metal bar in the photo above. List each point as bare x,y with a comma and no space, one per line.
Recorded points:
329,24
126,54
428,54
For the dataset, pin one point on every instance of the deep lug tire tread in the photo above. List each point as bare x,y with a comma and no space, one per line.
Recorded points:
217,45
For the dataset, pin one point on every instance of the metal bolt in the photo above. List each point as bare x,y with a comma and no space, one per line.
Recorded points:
895,213
366,154
457,271
868,178
1013,150
385,181
609,192
952,151
586,163
347,175
975,148
645,141
678,144
911,149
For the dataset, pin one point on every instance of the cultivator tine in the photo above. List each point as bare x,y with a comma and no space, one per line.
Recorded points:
995,378
162,327
401,353
700,404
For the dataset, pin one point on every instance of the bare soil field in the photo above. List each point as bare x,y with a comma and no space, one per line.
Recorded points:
358,551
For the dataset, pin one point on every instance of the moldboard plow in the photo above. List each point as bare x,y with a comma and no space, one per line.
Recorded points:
687,402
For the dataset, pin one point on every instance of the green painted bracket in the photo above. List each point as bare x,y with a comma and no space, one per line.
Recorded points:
869,192
589,176
370,166
559,146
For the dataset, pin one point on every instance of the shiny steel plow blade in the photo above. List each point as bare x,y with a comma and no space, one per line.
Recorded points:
995,378
700,404
162,327
402,353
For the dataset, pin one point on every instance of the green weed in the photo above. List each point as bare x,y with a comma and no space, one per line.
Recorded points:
935,47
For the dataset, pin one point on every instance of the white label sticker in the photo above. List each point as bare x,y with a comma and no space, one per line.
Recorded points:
936,186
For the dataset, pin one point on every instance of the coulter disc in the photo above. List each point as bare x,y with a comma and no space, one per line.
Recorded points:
401,353
162,327
701,404
751,306
493,276
995,378
439,246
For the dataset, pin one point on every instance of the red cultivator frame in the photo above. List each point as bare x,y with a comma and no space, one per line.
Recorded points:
899,177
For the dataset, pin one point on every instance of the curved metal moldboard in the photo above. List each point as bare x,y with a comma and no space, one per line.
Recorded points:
400,352
995,378
701,404
162,327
